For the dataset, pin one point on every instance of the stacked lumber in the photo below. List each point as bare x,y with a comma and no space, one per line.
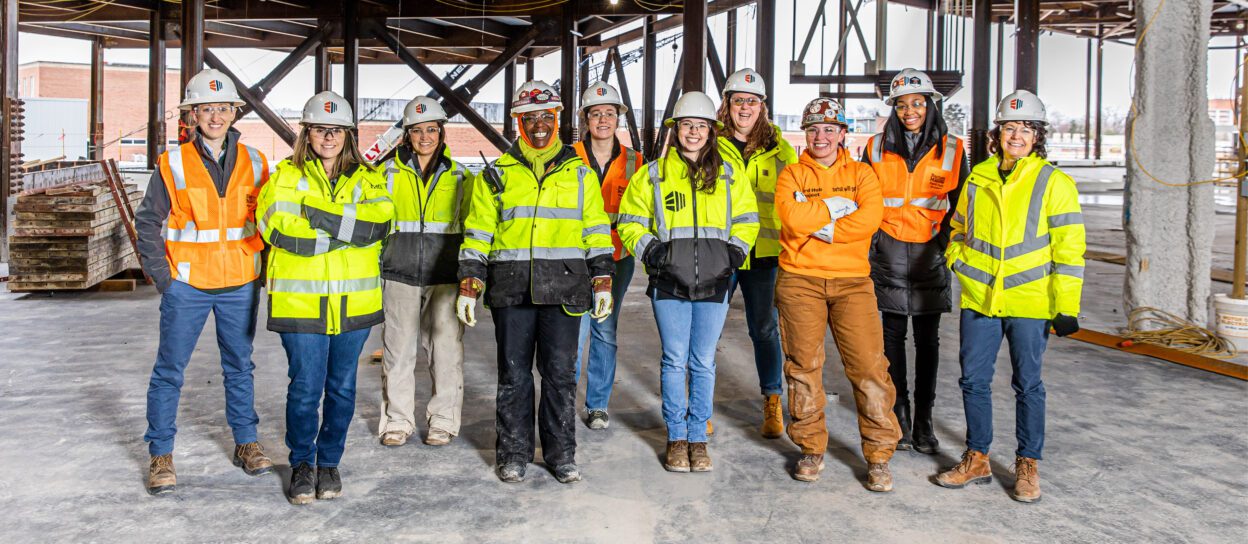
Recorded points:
69,238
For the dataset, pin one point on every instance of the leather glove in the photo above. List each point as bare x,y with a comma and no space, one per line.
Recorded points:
1065,325
736,257
466,304
839,206
604,302
654,255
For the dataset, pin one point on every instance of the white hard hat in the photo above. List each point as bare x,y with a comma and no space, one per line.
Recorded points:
423,109
536,96
911,81
600,93
210,87
327,108
745,80
694,104
1020,105
823,110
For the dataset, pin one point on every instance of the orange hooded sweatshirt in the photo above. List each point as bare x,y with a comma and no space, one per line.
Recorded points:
846,256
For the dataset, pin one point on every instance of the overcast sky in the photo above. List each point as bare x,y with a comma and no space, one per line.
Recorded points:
1062,66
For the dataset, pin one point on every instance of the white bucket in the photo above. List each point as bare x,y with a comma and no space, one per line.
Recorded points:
1232,319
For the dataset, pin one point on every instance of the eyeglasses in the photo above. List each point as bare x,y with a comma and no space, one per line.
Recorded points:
432,131
916,105
830,130
745,101
692,126
1023,130
535,117
325,132
216,110
608,115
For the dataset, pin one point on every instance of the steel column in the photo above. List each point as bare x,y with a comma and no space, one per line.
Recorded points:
730,63
192,34
10,142
694,42
1100,73
95,103
648,88
980,74
939,55
529,72
1000,55
322,69
155,89
881,35
765,48
1087,103
1026,44
568,72
509,92
351,56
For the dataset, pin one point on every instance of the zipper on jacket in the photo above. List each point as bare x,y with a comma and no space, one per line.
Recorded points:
694,197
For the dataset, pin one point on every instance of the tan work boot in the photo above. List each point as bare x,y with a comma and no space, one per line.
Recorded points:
773,417
251,458
699,460
160,475
393,438
437,437
808,468
1027,480
879,479
973,469
677,458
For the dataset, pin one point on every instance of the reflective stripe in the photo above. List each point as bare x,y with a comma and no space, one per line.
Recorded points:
957,217
247,231
630,218
700,232
191,234
877,148
639,250
257,165
346,227
323,287
1027,276
357,192
303,184
542,212
322,245
1030,242
431,227
951,146
470,254
596,229
765,197
659,223
630,163
1037,201
938,203
580,191
613,217
959,237
549,253
279,206
751,217
595,252
175,166
740,243
391,170
184,272
1068,270
479,235
1065,219
973,273
894,202
770,234
1025,247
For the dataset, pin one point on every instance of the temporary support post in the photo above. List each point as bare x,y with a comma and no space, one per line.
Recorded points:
694,54
509,93
568,72
582,79
351,56
256,102
939,54
1026,44
613,57
1100,73
765,49
980,73
192,34
730,44
1087,103
95,103
155,89
648,88
10,145
322,72
529,71
1240,268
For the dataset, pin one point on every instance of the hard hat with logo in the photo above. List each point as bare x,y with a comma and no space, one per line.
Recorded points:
210,87
745,80
911,81
327,108
423,109
600,93
1020,105
694,104
536,96
823,110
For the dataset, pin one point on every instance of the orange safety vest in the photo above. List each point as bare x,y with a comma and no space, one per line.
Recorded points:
211,242
614,180
915,203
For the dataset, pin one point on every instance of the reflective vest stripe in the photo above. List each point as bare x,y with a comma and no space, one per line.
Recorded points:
541,212
479,235
323,287
431,227
699,232
525,254
596,229
1065,219
771,234
1030,242
630,163
660,223
257,165
938,203
877,148
951,148
470,254
175,166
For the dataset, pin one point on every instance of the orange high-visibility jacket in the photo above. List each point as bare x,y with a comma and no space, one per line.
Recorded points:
614,180
915,203
800,218
211,242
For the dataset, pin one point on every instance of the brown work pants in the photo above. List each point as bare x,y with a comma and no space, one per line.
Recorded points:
807,305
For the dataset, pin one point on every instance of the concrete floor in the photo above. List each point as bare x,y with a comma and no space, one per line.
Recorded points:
1137,450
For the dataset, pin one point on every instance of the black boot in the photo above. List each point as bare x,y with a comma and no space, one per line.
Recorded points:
924,433
902,410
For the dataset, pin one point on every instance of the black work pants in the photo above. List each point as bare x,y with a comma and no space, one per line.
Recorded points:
522,331
926,357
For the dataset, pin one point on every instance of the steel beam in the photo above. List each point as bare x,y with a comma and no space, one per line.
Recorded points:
507,57
192,33
1000,55
649,63
155,89
95,103
567,78
1026,44
613,55
693,56
322,69
668,109
980,76
257,104
351,56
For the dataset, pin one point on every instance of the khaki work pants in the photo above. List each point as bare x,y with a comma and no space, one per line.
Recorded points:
421,319
807,306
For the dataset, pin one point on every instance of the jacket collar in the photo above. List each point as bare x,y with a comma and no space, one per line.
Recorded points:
842,158
987,173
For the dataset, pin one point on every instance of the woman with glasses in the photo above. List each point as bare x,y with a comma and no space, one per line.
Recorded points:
325,212
757,148
601,108
690,216
418,271
920,166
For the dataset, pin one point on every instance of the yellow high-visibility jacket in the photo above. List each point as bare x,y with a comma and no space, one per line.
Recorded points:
762,169
324,273
1017,244
428,219
539,240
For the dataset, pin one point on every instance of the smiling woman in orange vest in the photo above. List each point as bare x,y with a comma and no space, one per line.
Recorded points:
601,108
198,242
920,166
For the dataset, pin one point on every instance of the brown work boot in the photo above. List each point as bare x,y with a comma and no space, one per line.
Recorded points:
160,475
879,479
252,458
677,458
699,460
973,469
808,468
773,417
1027,480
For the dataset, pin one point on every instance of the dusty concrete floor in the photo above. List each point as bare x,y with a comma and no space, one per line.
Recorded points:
1137,450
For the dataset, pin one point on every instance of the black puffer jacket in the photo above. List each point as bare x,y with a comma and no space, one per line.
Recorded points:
911,278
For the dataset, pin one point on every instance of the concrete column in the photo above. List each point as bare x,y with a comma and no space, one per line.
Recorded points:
1169,231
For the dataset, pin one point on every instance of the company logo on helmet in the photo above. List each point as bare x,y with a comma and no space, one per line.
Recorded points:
749,78
914,80
215,85
601,91
331,107
420,108
1016,103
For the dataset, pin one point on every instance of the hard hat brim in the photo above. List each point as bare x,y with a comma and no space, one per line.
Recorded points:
186,105
890,99
672,122
622,107
515,111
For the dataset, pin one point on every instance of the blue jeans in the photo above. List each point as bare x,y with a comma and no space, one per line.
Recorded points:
600,370
183,312
758,289
689,332
981,340
321,366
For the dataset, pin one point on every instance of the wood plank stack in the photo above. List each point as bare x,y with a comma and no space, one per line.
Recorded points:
69,238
